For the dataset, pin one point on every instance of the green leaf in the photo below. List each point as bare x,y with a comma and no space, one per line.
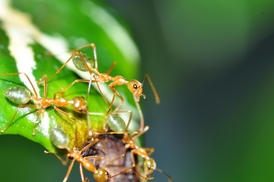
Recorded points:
31,34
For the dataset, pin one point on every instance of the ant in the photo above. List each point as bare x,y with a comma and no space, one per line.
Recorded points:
149,163
113,148
22,96
61,141
83,63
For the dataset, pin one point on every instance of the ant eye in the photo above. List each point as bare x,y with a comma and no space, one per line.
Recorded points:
135,86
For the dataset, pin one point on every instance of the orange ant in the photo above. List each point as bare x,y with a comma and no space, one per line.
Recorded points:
149,163
22,96
83,63
60,140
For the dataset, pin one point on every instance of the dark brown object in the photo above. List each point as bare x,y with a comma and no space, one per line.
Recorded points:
111,147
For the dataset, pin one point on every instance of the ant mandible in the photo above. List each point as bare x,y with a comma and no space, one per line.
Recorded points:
22,96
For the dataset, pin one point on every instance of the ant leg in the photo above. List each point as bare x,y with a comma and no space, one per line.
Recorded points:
89,85
92,45
90,144
140,133
111,68
90,132
34,128
82,173
126,170
66,114
38,120
113,98
143,177
44,80
70,58
69,170
96,82
84,65
99,89
149,151
18,73
13,117
117,158
121,103
110,105
142,123
58,71
64,162
94,141
95,158
45,86
3,130
70,85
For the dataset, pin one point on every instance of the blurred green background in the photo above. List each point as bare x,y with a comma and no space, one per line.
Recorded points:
212,63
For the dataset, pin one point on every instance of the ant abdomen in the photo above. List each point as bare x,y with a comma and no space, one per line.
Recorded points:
78,63
59,138
116,123
18,95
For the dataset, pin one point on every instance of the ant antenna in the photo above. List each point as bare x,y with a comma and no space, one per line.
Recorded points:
156,95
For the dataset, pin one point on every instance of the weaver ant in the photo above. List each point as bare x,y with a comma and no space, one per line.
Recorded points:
149,165
22,96
61,141
112,148
83,63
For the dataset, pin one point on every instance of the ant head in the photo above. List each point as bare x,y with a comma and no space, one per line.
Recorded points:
79,105
149,166
101,175
136,88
